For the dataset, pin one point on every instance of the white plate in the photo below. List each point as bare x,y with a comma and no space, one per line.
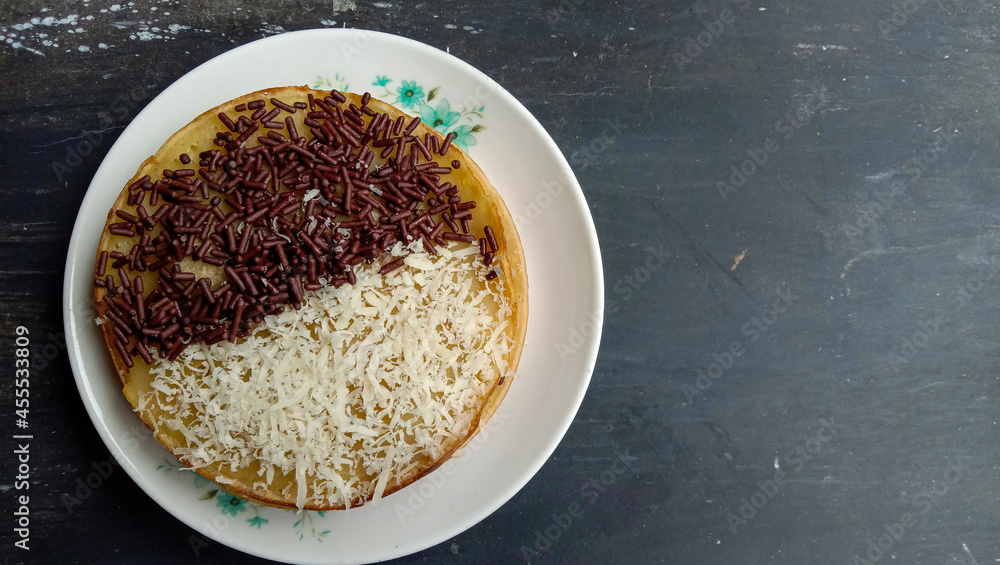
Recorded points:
565,300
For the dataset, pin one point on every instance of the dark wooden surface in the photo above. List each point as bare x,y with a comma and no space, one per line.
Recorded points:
877,375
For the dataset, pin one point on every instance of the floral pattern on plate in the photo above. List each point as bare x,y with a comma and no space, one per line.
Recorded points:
433,109
233,506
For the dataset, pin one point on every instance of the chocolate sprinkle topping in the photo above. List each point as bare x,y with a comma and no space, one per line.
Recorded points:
244,211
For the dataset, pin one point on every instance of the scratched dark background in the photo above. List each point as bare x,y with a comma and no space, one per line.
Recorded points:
871,226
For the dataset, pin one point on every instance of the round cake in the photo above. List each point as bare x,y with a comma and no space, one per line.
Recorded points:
311,298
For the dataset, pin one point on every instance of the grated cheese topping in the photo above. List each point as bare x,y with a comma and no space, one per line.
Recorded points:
365,386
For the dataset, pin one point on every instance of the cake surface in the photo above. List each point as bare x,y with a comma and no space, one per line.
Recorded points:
330,342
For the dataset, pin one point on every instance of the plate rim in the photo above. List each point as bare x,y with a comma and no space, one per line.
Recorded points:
591,347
